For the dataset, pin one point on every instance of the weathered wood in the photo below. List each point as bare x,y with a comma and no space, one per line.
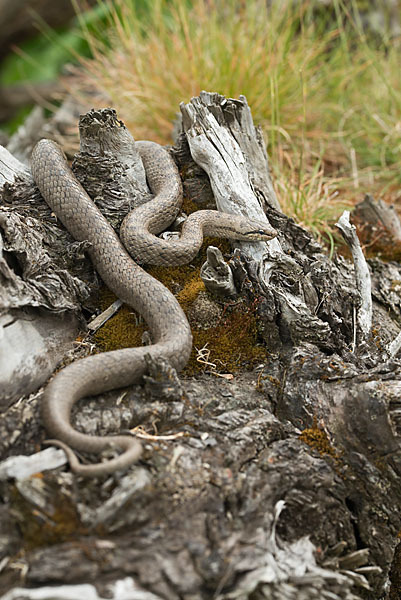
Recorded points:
32,344
362,277
22,467
23,140
223,141
108,165
377,215
278,483
217,275
34,281
395,346
209,122
101,319
10,167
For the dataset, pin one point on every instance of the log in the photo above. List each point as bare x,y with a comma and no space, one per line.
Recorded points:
379,228
279,482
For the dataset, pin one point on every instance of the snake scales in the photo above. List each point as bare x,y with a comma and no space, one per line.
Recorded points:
169,328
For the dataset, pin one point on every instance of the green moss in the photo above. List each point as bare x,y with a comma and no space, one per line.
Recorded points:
190,291
123,330
188,205
317,439
231,344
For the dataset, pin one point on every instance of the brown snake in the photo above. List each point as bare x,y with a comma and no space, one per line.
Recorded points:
169,328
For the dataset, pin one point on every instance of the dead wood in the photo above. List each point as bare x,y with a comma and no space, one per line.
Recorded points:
363,324
376,216
45,279
279,483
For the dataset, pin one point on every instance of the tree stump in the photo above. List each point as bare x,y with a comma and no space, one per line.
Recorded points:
277,482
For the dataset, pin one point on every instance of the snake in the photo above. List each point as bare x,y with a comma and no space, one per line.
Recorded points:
114,261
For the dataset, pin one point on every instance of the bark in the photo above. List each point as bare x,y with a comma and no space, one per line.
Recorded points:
281,482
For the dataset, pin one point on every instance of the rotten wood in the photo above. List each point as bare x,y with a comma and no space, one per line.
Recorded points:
35,283
101,319
277,483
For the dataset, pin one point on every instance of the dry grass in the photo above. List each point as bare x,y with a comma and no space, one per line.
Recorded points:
328,100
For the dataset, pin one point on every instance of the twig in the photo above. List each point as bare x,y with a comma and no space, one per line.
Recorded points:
101,319
139,432
203,358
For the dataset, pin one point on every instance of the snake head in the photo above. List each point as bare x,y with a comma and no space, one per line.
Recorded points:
252,230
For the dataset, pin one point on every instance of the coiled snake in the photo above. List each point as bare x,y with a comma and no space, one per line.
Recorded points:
169,328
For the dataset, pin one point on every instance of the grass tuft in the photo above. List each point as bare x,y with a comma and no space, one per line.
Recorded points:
326,96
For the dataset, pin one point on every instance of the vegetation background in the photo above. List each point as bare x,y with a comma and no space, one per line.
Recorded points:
322,78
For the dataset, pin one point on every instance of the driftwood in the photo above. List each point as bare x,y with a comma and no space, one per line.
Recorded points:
280,482
362,279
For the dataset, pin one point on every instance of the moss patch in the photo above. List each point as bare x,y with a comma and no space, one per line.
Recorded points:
317,439
190,291
230,345
123,330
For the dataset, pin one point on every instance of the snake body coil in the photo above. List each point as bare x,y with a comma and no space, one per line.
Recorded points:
169,328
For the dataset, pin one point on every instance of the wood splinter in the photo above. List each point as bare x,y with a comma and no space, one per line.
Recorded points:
362,276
